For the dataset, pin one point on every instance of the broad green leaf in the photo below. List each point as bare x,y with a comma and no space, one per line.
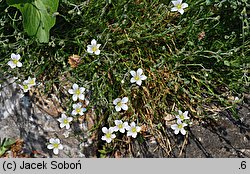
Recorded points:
12,2
38,16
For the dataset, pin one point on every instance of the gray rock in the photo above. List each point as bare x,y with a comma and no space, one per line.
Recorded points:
21,119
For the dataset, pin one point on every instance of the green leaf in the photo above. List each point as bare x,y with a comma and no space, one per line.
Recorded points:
8,142
227,63
38,16
2,151
102,151
5,145
12,2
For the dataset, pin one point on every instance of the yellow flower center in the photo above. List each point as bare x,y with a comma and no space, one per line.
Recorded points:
56,145
78,92
179,6
133,129
108,135
119,104
25,87
15,61
65,121
137,78
180,126
182,116
120,126
78,110
94,48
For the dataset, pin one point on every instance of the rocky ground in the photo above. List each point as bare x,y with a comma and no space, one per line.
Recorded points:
22,118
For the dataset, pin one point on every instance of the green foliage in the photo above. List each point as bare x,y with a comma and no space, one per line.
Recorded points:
38,16
196,61
105,151
5,145
13,2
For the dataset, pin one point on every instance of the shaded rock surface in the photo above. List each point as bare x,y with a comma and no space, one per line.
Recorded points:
226,137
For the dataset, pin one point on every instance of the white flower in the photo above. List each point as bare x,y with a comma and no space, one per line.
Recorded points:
121,104
179,6
137,77
182,116
77,92
31,81
93,48
64,121
108,137
133,130
179,127
55,145
25,87
14,62
78,109
119,125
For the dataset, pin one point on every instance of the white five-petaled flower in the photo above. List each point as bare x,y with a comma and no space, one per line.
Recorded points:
55,145
137,77
93,48
14,62
179,6
133,130
25,87
119,125
64,121
30,81
78,109
121,104
179,127
108,137
77,92
182,116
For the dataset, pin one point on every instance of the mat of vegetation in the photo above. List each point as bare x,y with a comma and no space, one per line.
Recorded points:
135,78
